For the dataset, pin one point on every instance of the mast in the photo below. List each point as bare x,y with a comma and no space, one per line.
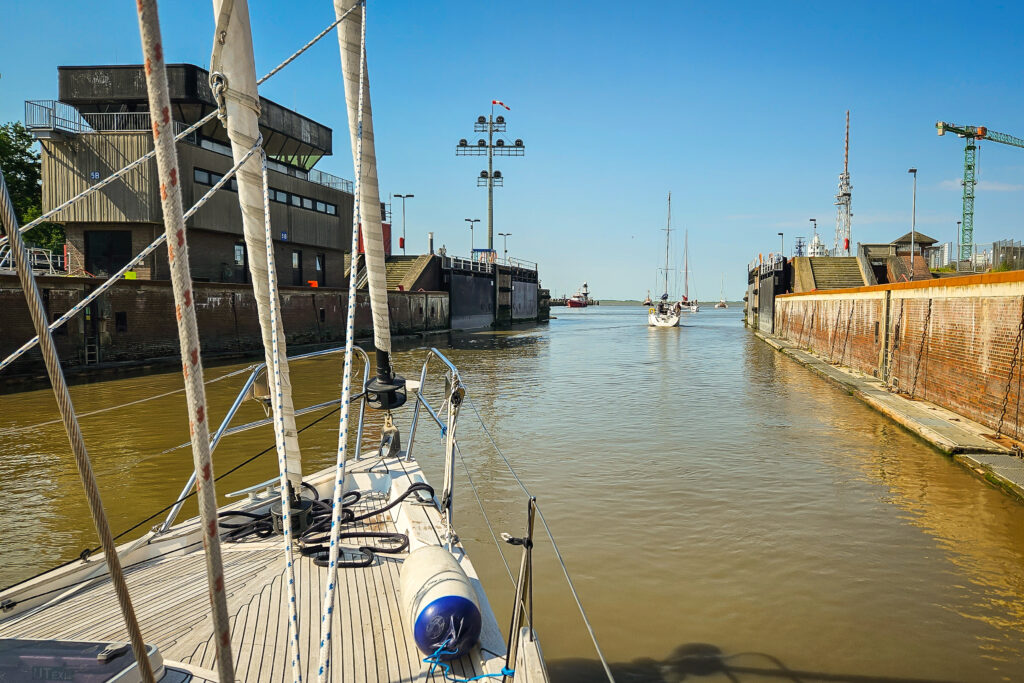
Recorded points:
668,232
686,264
387,390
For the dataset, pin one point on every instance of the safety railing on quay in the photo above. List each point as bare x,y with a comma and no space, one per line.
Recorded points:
459,263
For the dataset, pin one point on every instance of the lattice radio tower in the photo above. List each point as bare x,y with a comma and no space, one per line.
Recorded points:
843,213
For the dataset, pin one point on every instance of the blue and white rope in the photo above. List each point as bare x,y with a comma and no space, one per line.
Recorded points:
326,617
279,434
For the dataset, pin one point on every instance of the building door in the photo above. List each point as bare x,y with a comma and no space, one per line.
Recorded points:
106,251
321,274
297,267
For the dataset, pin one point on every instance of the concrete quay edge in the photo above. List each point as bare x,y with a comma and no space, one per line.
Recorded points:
949,432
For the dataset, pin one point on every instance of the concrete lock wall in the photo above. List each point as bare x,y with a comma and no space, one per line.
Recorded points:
950,341
134,320
472,300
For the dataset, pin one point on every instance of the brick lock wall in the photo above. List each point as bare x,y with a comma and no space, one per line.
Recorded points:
957,355
135,318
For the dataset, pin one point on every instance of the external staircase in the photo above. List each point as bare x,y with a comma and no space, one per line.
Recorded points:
399,270
836,272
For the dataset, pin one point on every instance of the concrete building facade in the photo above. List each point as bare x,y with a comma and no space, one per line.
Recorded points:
101,123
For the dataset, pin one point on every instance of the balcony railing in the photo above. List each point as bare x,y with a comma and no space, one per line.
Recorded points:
53,115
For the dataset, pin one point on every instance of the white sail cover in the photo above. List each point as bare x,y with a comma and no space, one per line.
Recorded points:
234,58
349,40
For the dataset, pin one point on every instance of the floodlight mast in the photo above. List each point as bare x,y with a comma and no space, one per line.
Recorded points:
491,124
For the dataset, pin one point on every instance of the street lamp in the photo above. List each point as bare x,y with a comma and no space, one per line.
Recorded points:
957,245
505,236
403,197
913,222
782,245
471,221
814,238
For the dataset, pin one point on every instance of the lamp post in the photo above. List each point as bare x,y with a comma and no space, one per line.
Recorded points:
814,238
504,236
913,222
471,222
782,246
957,245
403,197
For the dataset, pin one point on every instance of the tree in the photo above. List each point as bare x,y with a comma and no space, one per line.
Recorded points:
22,173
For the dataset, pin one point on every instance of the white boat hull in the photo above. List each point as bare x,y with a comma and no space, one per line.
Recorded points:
655,319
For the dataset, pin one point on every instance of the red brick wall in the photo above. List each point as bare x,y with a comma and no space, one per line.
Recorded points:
958,355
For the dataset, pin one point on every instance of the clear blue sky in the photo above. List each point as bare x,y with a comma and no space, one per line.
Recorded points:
736,108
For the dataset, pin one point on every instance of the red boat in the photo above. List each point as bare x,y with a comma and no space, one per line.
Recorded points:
580,299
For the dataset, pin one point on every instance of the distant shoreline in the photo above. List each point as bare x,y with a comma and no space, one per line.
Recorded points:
637,302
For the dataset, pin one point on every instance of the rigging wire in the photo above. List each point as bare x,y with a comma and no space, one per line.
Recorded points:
554,544
15,430
484,513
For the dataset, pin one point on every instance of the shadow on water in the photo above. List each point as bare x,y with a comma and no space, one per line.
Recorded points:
696,661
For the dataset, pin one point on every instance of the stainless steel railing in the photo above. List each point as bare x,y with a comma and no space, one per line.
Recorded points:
223,428
455,390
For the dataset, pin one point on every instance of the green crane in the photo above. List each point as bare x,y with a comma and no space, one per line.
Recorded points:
972,133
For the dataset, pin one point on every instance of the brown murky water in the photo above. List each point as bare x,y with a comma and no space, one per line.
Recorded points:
709,496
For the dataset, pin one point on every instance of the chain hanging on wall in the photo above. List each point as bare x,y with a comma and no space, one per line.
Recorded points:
1014,365
925,333
890,373
846,338
835,331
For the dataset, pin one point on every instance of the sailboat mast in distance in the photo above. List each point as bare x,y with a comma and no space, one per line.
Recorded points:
668,232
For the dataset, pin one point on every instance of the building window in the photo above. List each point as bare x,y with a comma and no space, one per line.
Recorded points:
240,254
321,207
202,177
281,196
296,200
319,263
307,203
332,209
297,267
215,178
233,185
121,321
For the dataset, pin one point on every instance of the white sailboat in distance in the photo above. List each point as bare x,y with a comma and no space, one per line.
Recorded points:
664,314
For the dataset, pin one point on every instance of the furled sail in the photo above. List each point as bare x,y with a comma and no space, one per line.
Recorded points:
233,58
349,36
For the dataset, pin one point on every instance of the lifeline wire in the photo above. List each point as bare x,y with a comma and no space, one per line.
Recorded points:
188,331
114,176
67,411
131,264
554,544
326,620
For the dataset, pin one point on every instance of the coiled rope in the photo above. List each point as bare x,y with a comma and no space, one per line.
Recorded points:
67,412
188,332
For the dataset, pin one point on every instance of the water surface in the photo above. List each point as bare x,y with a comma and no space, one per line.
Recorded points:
708,494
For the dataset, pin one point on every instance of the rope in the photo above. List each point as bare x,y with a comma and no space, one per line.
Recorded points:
846,337
326,620
483,512
279,433
178,138
892,347
925,332
835,330
15,430
554,544
87,552
188,332
308,45
93,295
67,412
435,660
111,178
1014,365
